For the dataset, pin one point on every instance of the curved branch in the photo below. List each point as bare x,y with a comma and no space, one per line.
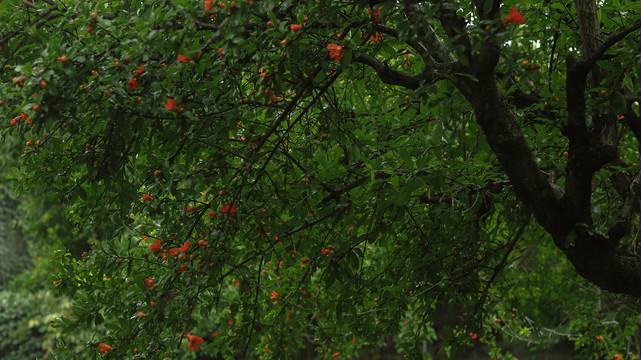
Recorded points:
611,41
395,77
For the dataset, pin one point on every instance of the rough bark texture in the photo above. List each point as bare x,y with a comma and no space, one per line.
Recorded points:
590,31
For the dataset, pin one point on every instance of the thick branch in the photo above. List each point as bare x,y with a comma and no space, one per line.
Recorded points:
590,148
585,156
506,139
594,257
589,29
395,77
622,226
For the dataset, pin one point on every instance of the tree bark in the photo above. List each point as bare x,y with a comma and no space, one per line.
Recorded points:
564,213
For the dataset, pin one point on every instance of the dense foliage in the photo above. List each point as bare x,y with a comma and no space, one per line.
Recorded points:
253,179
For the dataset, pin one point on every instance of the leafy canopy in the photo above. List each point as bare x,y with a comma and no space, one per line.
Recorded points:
262,177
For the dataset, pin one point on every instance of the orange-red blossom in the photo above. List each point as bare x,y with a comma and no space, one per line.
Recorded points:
376,14
104,347
133,83
194,341
173,106
224,209
156,246
183,58
335,51
514,17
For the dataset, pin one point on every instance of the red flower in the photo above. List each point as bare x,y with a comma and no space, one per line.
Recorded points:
149,282
155,247
272,98
407,58
146,197
184,247
208,5
224,209
19,81
305,261
337,354
274,295
335,51
189,208
173,252
514,17
376,37
194,341
140,70
183,58
617,357
133,83
141,314
182,267
295,27
104,347
172,105
326,251
375,14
